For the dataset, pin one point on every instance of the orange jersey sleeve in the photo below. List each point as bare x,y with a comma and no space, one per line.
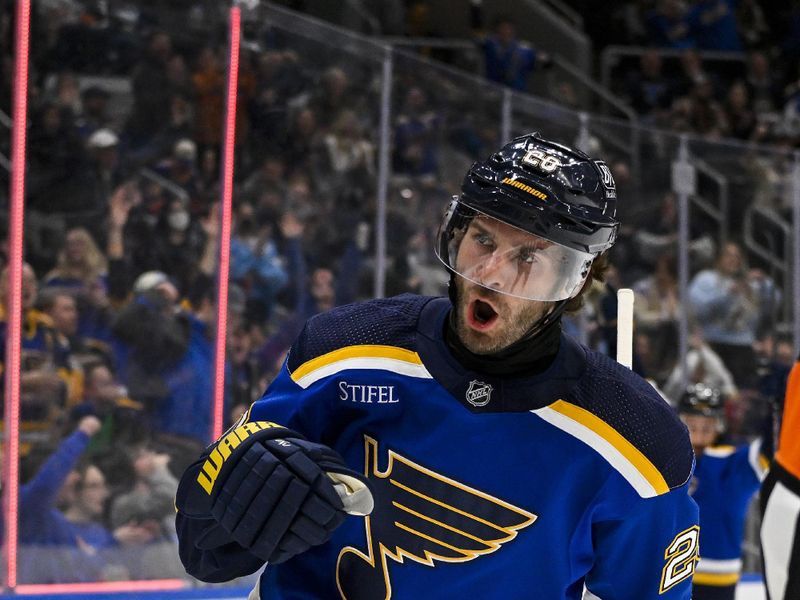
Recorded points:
788,454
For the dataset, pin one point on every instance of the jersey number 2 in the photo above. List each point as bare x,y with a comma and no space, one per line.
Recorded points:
681,556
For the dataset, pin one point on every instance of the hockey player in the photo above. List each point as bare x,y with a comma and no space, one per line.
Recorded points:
725,480
504,459
780,503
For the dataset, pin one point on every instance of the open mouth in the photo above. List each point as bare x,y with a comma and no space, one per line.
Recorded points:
481,315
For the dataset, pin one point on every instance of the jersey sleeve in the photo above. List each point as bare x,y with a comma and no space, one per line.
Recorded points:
646,551
748,466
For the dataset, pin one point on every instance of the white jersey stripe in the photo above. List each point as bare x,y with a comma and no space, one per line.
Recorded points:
384,364
709,565
598,443
752,456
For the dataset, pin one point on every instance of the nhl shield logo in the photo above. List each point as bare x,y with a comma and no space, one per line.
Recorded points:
479,393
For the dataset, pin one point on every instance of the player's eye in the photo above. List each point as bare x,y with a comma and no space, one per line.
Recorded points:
484,239
527,255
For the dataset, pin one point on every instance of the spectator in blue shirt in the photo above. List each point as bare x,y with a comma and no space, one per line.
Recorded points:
70,544
667,26
507,60
713,24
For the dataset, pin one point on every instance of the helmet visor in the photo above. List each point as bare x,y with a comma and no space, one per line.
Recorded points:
509,260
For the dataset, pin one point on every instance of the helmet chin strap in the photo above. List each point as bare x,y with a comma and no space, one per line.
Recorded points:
533,352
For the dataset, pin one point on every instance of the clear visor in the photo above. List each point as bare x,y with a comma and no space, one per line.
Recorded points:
506,259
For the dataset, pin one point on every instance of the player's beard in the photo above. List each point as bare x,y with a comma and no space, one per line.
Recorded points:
515,318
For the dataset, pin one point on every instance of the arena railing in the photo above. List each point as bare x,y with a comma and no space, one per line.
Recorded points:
611,56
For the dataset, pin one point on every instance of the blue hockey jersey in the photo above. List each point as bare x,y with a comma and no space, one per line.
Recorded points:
485,487
724,481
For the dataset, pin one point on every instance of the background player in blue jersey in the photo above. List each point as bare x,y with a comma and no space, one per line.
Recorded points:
488,453
724,482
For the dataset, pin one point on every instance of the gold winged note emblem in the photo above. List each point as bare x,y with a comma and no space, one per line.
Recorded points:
425,517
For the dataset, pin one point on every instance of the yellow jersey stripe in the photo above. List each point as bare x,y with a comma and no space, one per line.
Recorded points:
718,579
365,356
632,454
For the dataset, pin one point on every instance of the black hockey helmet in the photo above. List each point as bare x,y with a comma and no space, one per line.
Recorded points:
562,198
701,399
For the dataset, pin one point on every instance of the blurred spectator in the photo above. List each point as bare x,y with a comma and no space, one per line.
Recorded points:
650,91
712,23
657,310
303,148
147,505
702,365
740,117
80,265
55,156
94,114
209,87
726,301
416,137
507,60
693,73
103,174
332,96
752,23
667,26
243,376
42,391
160,349
152,91
657,235
350,156
270,177
313,292
255,264
700,112
762,84
70,544
123,419
279,77
60,307
181,167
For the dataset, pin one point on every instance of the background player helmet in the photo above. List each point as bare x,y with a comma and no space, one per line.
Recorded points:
561,205
701,399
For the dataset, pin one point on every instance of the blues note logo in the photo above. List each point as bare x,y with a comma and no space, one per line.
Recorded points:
425,517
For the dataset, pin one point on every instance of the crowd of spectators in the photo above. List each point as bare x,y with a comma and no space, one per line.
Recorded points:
122,228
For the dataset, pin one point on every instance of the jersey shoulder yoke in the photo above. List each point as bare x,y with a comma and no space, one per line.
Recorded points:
623,418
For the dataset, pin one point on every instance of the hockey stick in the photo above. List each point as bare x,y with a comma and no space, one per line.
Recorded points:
625,327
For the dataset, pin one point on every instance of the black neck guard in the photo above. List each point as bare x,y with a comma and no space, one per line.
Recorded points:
528,356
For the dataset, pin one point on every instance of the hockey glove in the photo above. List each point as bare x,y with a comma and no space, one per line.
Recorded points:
270,489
